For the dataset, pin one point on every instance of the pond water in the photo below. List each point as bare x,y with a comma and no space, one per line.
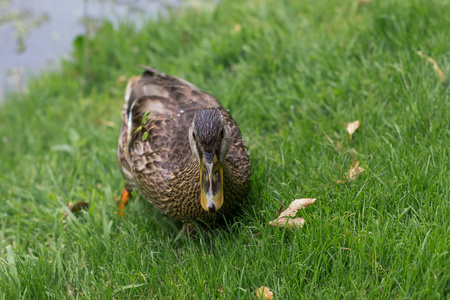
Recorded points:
35,34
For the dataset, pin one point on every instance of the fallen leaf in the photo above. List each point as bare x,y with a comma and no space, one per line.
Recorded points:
288,217
352,127
354,171
435,65
264,293
75,207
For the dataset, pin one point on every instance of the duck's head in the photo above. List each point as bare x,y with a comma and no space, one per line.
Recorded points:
210,139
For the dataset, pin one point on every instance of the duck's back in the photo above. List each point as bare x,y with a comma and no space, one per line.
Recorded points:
169,94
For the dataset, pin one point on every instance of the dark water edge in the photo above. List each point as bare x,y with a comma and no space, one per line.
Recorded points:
35,35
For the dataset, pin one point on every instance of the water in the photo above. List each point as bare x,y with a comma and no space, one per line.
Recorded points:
53,25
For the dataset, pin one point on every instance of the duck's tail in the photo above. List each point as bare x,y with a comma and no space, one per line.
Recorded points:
152,72
148,71
129,87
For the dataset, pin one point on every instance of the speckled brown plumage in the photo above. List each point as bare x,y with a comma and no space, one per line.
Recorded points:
155,157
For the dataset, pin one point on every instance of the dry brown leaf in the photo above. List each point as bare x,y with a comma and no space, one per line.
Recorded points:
354,171
288,217
352,127
264,293
435,65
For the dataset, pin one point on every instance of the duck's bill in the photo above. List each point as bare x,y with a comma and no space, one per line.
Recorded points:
211,185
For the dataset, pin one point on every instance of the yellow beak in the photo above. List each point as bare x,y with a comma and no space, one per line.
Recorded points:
211,185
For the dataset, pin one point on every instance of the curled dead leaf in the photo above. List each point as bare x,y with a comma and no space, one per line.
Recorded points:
435,65
353,173
264,293
352,127
288,218
355,170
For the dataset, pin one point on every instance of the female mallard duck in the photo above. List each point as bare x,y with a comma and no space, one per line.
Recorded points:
180,149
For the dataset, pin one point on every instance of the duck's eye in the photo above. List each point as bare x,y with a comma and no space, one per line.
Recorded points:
222,133
193,135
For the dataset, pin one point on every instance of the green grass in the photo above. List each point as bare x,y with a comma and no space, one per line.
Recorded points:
294,73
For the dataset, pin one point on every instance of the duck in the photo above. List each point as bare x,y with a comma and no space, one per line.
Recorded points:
180,149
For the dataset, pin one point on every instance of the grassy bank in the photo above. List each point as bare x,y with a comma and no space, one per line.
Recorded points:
292,75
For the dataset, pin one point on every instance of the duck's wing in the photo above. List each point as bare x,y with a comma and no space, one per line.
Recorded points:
237,159
169,104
